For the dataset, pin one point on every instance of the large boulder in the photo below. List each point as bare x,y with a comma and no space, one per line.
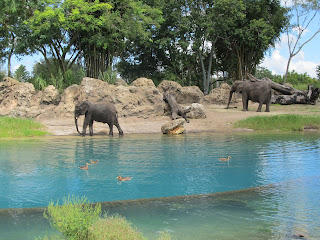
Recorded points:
50,96
221,95
183,95
17,98
173,127
196,111
129,100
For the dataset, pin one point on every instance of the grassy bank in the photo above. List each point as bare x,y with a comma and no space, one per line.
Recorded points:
285,122
18,127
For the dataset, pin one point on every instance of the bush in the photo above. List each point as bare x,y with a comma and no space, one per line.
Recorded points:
74,217
114,227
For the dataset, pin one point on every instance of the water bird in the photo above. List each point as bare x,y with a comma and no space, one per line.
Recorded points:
123,178
94,162
224,159
85,167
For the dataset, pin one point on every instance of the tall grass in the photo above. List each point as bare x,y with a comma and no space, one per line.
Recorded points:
285,122
78,219
18,127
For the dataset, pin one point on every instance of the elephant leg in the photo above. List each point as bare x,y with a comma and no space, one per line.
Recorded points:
118,126
91,128
260,106
267,107
110,129
245,102
84,129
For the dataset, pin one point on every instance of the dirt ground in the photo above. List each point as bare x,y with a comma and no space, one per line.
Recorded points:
218,119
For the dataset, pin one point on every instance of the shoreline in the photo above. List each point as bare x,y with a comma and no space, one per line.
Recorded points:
218,119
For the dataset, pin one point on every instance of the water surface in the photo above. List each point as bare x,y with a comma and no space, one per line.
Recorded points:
36,170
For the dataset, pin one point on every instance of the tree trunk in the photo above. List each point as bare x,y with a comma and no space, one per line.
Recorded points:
287,95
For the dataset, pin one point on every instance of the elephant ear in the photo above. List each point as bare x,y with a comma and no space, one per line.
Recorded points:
238,85
84,106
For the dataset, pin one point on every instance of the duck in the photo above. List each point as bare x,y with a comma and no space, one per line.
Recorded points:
85,167
124,178
224,159
94,162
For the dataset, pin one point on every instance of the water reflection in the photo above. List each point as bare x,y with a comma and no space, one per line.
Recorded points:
278,211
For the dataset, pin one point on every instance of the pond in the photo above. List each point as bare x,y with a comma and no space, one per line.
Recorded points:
269,189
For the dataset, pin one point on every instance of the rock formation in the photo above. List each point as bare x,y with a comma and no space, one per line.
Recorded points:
183,95
141,98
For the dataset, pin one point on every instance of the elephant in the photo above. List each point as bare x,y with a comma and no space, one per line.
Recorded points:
255,91
100,112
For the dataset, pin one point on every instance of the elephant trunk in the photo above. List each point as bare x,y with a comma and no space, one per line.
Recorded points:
76,122
230,96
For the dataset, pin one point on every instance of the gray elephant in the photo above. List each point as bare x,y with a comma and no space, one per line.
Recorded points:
255,91
100,112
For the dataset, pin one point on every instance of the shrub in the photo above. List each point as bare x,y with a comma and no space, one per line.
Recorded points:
74,217
114,227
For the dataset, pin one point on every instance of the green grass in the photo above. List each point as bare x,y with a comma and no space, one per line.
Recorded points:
76,218
18,127
285,122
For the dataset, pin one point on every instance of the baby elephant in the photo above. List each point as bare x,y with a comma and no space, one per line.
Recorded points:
100,112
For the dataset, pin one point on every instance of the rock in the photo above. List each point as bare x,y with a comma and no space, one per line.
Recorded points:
183,95
50,96
140,99
171,126
177,130
121,82
221,95
196,111
143,82
17,97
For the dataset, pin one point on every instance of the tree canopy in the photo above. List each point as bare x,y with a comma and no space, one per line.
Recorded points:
186,41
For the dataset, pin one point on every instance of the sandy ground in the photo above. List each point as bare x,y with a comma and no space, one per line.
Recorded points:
218,119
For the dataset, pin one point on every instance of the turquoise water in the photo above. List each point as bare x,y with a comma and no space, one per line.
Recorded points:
35,171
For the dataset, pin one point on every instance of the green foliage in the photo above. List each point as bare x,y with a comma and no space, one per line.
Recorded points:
109,76
17,127
297,80
74,217
21,74
77,219
47,73
286,122
114,227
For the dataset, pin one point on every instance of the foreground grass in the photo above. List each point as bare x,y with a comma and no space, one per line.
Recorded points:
18,127
77,219
285,122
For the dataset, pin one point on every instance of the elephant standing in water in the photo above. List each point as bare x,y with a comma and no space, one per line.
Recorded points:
255,91
100,112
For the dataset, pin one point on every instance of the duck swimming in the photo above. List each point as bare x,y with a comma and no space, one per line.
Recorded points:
85,167
94,162
123,178
224,159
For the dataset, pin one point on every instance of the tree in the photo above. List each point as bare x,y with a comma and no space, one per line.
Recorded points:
303,13
21,74
211,22
244,48
12,15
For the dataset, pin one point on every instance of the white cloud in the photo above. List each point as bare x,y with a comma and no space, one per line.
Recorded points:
277,63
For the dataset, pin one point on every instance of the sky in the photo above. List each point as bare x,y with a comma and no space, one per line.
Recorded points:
275,59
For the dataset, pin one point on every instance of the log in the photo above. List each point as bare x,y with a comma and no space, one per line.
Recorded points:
176,109
287,95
